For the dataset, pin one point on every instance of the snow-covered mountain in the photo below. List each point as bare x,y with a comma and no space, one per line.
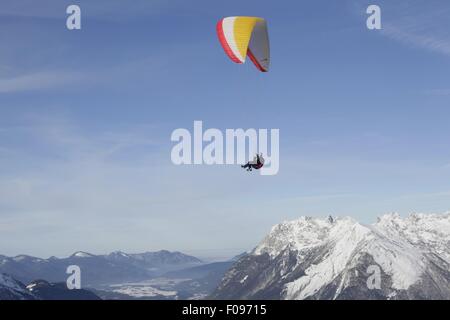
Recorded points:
340,259
44,290
11,289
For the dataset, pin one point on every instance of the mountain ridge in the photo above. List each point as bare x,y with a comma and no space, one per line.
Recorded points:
312,258
13,289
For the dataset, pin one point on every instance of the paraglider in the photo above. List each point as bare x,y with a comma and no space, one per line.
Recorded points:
257,163
245,36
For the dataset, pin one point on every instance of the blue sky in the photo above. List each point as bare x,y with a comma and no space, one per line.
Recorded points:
86,118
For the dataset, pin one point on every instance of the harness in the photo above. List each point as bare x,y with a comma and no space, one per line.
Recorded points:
258,165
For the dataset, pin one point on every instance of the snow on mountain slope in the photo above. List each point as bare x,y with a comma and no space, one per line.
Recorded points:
308,257
8,281
299,234
344,236
428,232
81,254
11,289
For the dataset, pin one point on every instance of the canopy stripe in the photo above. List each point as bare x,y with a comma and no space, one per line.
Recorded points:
245,36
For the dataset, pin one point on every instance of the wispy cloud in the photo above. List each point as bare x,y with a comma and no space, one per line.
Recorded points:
438,92
38,81
421,39
70,141
419,23
14,81
102,9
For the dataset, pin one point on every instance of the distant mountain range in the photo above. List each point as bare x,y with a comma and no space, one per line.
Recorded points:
97,270
340,259
118,275
44,290
12,289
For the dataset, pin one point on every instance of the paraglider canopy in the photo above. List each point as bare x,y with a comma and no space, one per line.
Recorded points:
245,36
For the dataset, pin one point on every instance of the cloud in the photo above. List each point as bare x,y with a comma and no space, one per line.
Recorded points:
422,39
438,92
38,81
417,23
102,9
117,74
74,182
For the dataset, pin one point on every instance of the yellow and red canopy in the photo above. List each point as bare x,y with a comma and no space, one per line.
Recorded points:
245,36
